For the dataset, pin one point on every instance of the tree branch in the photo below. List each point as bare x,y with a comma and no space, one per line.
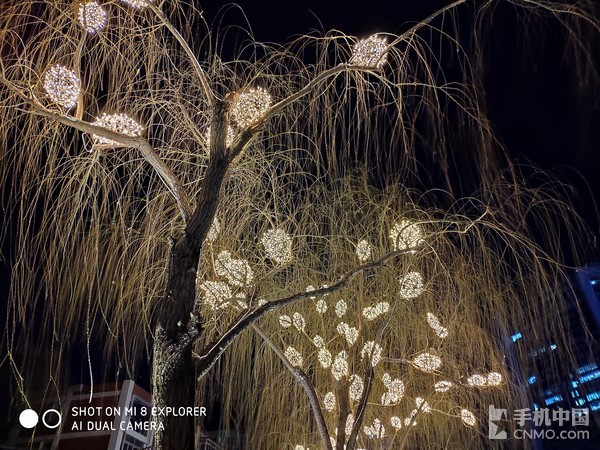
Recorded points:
360,410
215,349
306,384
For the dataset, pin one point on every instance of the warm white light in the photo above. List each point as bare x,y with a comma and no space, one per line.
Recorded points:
299,321
372,351
92,16
318,341
477,380
310,288
329,401
377,430
237,271
442,386
369,52
395,390
278,245
213,231
427,362
396,422
285,321
140,4
373,312
422,405
494,378
120,123
356,387
250,106
349,424
350,333
262,301
294,357
62,86
216,293
325,358
339,368
467,417
363,251
411,285
321,306
406,235
410,419
437,326
340,308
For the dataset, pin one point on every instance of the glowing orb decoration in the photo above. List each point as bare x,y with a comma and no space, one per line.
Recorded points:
468,417
373,312
410,419
442,386
356,387
477,380
437,327
339,368
341,308
262,301
377,430
396,422
422,405
363,251
321,306
350,333
216,293
278,245
325,358
298,321
120,123
62,86
370,52
285,321
250,106
427,362
318,341
329,401
411,285
294,357
395,390
92,17
494,379
372,351
349,424
139,4
214,230
237,271
406,235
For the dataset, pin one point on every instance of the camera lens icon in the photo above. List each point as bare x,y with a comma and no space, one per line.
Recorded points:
29,418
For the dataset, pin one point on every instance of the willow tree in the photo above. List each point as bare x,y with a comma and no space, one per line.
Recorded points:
125,131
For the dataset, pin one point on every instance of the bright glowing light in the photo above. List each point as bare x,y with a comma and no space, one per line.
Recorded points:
325,358
285,321
329,401
140,4
350,333
373,312
294,357
442,386
349,424
299,321
321,306
62,86
363,251
356,387
92,16
341,308
395,390
318,341
411,285
396,422
372,351
494,378
406,235
427,362
339,368
437,326
422,405
250,106
278,245
213,231
216,293
237,271
120,123
410,419
377,430
477,380
369,52
310,288
468,417
262,301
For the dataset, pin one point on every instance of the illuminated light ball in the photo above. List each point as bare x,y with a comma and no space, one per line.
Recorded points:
356,387
363,251
329,401
278,245
262,301
396,422
339,368
370,52
349,424
62,85
350,333
377,430
321,306
410,419
422,405
214,230
468,417
411,285
325,358
427,362
494,378
477,380
442,386
120,123
318,341
237,271
294,357
437,327
285,321
250,106
372,351
406,235
139,4
341,308
299,322
216,293
92,16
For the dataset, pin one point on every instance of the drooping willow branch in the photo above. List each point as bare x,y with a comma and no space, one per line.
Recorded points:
214,350
306,384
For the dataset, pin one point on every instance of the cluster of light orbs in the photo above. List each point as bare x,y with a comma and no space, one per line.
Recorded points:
370,52
427,362
435,324
443,386
119,123
237,271
62,85
250,106
363,251
491,379
373,312
371,351
377,430
329,401
356,387
139,4
394,390
92,17
213,231
468,417
216,293
411,285
278,245
294,357
406,235
350,333
339,368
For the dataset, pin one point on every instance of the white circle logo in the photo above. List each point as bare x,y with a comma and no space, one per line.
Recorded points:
51,425
28,418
